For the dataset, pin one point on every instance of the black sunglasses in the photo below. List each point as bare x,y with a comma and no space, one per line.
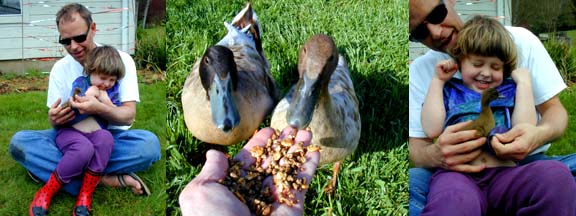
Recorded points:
78,38
436,16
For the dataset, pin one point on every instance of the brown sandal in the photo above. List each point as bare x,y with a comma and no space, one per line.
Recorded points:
145,190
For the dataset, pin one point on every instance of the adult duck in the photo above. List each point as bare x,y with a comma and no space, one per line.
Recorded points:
323,100
230,91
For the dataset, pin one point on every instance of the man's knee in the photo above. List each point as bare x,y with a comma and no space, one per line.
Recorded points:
16,146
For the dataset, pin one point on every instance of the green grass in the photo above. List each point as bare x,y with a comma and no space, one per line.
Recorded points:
27,111
565,145
373,37
151,49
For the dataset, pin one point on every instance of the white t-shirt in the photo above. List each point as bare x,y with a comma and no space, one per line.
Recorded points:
546,80
67,69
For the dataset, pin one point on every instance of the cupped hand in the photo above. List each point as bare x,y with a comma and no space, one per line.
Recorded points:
60,115
458,148
204,195
517,143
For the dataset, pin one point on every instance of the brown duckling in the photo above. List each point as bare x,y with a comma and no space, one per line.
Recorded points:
485,121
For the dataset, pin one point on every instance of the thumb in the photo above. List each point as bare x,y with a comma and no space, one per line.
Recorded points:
215,166
509,136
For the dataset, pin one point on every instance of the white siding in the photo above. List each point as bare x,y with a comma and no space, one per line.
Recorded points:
33,33
500,9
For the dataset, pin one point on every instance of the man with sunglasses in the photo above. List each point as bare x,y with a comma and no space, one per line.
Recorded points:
134,150
436,24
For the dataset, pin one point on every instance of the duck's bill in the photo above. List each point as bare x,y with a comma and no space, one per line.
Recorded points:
303,102
224,112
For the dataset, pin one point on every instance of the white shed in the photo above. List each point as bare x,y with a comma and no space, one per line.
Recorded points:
499,9
28,27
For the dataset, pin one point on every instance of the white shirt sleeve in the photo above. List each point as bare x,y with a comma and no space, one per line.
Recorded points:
420,74
546,79
128,86
62,75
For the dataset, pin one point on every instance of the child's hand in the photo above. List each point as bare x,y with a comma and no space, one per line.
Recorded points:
445,69
105,99
521,75
92,91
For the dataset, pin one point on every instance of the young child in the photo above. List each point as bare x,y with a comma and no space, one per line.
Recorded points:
85,143
486,56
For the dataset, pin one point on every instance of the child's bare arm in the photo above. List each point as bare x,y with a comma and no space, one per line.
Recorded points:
524,108
105,99
433,113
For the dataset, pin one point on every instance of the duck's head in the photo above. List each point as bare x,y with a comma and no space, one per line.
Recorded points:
317,61
220,78
490,95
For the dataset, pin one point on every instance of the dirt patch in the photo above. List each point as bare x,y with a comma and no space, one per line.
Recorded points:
26,83
23,84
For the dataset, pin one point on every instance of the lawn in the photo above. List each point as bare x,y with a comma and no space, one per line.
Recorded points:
27,110
373,37
565,145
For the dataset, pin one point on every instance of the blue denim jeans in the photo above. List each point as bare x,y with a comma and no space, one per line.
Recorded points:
419,178
36,150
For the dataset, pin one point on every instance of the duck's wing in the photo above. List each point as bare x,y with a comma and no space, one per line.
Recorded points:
345,101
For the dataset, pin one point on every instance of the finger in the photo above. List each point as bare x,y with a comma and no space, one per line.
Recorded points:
56,104
463,147
215,167
467,168
259,139
461,158
68,116
449,66
61,116
457,127
510,150
509,136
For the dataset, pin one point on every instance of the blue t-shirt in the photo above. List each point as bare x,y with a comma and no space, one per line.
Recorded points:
463,104
83,82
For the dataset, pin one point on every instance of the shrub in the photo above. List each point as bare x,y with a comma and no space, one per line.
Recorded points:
151,49
564,56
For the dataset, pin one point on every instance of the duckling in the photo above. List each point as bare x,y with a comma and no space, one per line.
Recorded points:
230,91
485,126
76,91
485,121
323,100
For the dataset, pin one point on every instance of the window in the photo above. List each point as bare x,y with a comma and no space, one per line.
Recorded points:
10,7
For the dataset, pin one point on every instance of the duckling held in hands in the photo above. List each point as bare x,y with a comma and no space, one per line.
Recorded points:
230,90
323,100
485,121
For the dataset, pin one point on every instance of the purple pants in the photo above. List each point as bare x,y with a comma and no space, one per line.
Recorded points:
81,151
538,188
